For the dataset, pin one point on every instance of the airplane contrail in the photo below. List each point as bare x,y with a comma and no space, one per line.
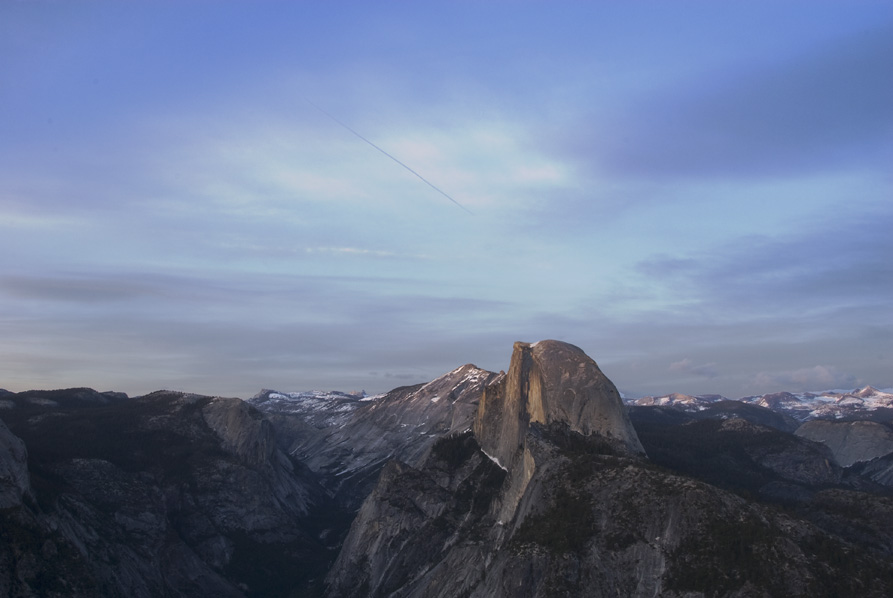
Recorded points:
423,179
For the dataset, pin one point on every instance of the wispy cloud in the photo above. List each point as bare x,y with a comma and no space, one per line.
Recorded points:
685,366
838,263
820,377
69,289
350,251
832,105
221,335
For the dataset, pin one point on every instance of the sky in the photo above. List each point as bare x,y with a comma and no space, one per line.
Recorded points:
225,197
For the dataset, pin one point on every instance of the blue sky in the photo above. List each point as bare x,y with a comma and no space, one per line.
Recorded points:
699,195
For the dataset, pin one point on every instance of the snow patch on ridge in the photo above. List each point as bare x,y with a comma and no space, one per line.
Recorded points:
495,460
803,406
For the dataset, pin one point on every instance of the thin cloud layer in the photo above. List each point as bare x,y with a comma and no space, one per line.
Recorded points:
804,379
831,106
699,199
685,366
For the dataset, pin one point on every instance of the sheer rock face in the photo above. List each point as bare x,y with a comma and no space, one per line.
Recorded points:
14,479
851,442
243,431
551,382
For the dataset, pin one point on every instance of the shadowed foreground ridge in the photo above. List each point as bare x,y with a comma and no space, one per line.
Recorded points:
170,494
535,482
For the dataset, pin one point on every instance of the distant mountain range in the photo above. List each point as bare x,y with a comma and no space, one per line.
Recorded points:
862,403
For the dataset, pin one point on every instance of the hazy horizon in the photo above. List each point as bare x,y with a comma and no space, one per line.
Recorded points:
220,198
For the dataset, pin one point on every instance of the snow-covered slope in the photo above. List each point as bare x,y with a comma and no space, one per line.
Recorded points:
347,438
676,399
316,407
861,403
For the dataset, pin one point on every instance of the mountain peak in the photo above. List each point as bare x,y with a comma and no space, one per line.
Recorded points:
551,382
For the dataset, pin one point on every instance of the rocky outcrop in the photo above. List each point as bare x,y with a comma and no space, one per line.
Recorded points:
14,479
243,431
735,453
879,470
850,442
551,382
247,434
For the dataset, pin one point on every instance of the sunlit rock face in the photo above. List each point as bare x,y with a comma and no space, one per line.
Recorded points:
551,382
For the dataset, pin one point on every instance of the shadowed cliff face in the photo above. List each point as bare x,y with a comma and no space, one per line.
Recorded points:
851,442
551,382
14,481
170,494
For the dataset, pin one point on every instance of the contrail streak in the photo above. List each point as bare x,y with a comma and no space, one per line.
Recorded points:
421,178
